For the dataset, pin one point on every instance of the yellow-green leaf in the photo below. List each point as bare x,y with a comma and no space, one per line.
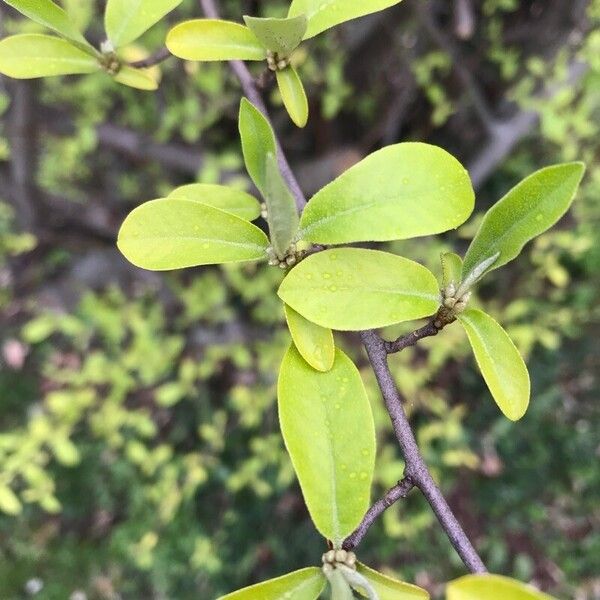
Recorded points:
212,39
28,56
306,584
340,588
402,191
328,430
126,20
281,36
9,503
140,79
173,234
491,587
293,95
451,269
354,289
229,199
500,363
388,588
313,342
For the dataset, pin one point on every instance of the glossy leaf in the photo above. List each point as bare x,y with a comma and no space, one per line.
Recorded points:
212,39
258,140
500,363
451,269
126,20
529,209
173,234
354,289
282,214
293,95
324,14
402,191
282,36
32,55
340,588
388,588
229,199
306,584
491,587
314,343
140,79
328,429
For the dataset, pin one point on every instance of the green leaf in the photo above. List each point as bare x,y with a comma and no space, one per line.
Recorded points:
28,56
211,39
229,199
258,140
9,503
282,36
293,95
491,587
500,363
324,14
306,584
388,588
126,20
530,208
351,289
400,192
173,234
282,213
328,429
314,343
340,588
451,268
140,79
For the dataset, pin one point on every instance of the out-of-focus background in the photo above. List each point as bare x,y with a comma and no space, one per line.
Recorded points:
140,455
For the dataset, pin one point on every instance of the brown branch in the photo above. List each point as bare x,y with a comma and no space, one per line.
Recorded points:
154,59
432,328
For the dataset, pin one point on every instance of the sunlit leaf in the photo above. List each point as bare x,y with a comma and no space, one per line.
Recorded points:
211,39
356,289
400,192
451,268
278,35
324,14
491,587
388,588
9,503
306,584
226,198
173,234
500,363
314,343
293,95
32,55
80,12
530,208
140,79
328,429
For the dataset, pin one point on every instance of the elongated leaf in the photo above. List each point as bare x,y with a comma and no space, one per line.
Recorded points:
500,363
282,214
351,289
324,14
173,234
282,36
388,588
211,39
306,584
400,192
258,141
126,20
340,588
231,200
451,269
314,343
328,429
491,587
293,95
9,503
28,56
140,79
530,208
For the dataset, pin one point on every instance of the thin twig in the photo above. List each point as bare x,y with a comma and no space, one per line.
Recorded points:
154,59
411,339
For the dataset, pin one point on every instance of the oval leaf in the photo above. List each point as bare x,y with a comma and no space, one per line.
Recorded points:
351,289
306,584
293,95
140,79
32,55
491,587
231,200
211,39
313,342
282,36
388,588
173,234
324,14
126,20
400,192
530,208
500,363
328,429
